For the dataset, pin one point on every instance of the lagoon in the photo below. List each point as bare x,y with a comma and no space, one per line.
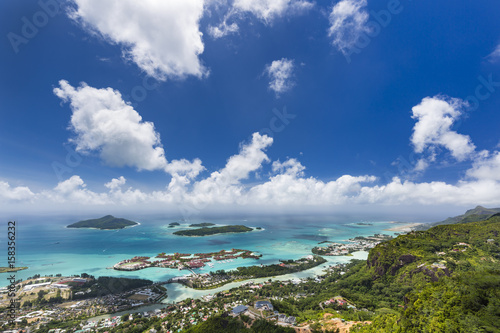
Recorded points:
47,247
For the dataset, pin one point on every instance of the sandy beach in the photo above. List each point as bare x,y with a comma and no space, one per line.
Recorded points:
403,228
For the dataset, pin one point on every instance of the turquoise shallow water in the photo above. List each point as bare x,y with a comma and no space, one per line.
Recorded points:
47,247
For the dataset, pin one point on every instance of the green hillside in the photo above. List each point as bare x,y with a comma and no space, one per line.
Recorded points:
472,215
445,279
452,275
108,222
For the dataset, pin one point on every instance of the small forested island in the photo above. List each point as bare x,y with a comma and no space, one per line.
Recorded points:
205,231
173,224
108,222
204,224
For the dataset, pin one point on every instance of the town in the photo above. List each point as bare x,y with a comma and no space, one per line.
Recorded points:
251,302
352,245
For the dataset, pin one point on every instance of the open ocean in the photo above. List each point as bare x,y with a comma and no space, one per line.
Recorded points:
46,246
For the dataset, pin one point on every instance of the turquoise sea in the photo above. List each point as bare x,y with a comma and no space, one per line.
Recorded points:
46,246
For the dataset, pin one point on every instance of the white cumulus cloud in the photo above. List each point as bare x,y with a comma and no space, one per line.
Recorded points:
348,21
161,37
435,116
116,183
280,74
486,167
73,190
21,193
103,122
265,10
287,187
225,185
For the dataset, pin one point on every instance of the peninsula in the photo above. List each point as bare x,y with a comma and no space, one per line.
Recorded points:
184,260
204,231
11,269
108,222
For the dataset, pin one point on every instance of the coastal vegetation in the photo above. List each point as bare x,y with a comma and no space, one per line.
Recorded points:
204,224
108,222
106,285
221,277
206,231
13,269
427,281
285,267
229,324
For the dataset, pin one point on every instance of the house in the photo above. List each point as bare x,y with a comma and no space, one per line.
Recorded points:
264,305
291,320
341,302
239,309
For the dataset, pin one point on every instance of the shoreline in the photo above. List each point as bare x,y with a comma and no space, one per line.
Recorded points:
404,228
128,226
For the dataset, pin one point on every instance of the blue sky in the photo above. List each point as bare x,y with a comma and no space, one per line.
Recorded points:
361,106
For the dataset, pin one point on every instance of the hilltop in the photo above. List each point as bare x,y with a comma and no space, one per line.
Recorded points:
477,214
108,222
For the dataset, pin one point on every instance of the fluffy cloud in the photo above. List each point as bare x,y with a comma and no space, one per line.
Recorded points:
225,185
116,183
161,37
73,190
486,167
348,20
265,10
435,116
21,193
280,73
287,186
103,122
